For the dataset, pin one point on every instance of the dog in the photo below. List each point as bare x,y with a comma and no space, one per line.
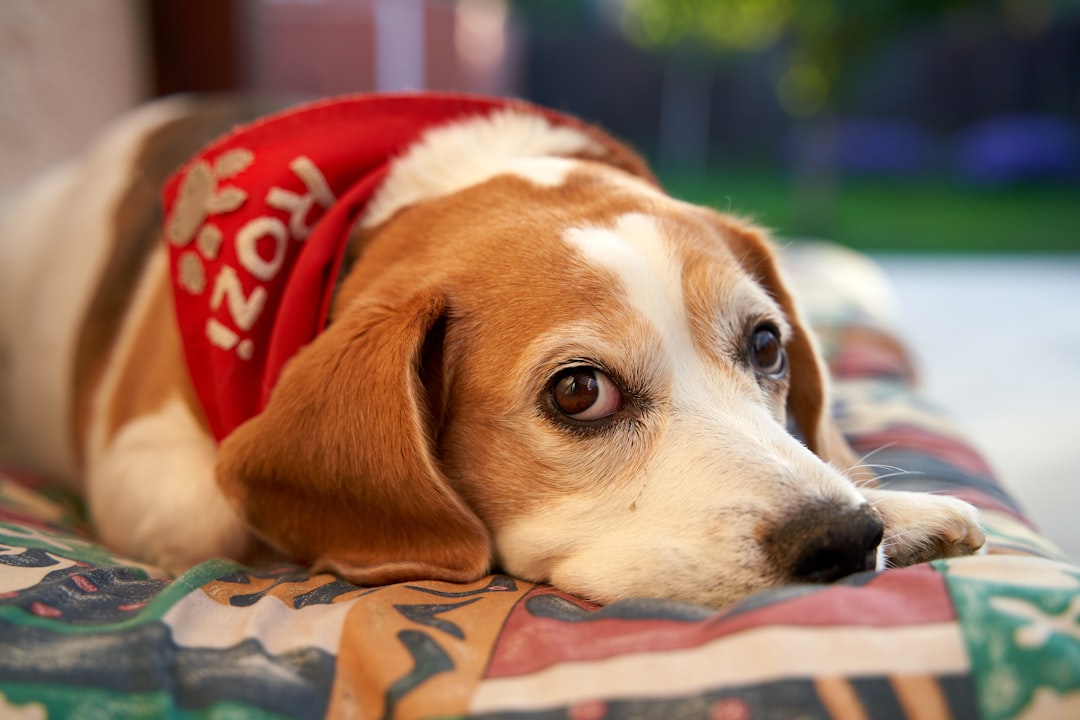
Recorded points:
512,350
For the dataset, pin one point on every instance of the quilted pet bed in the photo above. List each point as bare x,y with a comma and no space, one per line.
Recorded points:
84,633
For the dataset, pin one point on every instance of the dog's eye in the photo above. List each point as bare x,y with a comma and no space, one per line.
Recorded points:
765,351
584,393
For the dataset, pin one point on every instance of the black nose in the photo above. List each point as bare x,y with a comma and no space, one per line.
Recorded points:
831,543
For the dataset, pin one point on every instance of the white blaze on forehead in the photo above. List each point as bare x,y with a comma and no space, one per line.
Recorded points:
542,171
453,157
637,253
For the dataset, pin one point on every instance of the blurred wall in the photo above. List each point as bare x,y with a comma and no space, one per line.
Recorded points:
66,69
328,47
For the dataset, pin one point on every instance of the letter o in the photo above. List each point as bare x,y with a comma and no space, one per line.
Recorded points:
247,246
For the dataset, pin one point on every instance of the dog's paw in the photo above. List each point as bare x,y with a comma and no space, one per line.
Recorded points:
920,527
951,530
153,496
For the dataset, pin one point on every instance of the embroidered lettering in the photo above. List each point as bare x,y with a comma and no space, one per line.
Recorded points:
247,241
226,200
233,162
225,339
209,241
243,310
299,206
190,274
199,196
195,192
220,336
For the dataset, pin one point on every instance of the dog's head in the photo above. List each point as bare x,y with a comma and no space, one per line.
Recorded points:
539,360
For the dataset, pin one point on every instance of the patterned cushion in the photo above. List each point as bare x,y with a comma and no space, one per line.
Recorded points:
997,635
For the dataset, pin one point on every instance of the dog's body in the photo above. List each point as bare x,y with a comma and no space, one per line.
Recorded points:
535,359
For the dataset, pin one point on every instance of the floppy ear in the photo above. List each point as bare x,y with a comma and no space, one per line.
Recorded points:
808,396
338,469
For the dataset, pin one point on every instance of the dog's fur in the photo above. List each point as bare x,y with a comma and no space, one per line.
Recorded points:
418,435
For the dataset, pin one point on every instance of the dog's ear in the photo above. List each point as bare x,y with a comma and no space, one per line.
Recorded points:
339,469
808,396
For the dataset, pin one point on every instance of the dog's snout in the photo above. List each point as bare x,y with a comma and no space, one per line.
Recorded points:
829,543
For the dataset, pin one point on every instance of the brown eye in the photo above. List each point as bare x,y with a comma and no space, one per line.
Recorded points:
765,351
584,393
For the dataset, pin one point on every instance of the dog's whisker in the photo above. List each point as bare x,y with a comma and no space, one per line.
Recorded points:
875,451
900,473
867,480
863,464
854,468
941,492
873,466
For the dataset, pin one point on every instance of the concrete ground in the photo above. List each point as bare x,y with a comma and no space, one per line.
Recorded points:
998,346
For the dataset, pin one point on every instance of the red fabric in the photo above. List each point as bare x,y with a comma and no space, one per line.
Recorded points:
250,290
532,641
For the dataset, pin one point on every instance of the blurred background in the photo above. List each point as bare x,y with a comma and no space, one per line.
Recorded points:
940,136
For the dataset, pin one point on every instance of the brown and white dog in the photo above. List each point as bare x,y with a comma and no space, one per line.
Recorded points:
534,360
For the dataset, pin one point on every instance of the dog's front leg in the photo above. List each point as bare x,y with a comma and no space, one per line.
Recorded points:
921,526
153,495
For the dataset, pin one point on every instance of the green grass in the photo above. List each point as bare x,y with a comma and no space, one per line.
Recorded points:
929,215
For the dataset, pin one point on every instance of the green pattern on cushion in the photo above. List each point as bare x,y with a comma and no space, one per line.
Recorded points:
1021,620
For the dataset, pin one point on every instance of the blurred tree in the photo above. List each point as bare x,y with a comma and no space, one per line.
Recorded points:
820,39
554,12
817,46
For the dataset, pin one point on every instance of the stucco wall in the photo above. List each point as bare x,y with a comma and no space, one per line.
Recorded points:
66,68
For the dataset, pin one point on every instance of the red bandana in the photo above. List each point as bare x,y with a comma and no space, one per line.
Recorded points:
257,225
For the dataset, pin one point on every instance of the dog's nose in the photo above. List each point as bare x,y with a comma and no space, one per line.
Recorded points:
834,544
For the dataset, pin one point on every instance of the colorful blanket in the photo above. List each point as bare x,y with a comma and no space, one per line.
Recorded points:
86,633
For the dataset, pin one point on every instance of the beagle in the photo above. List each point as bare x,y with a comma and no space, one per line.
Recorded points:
427,336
